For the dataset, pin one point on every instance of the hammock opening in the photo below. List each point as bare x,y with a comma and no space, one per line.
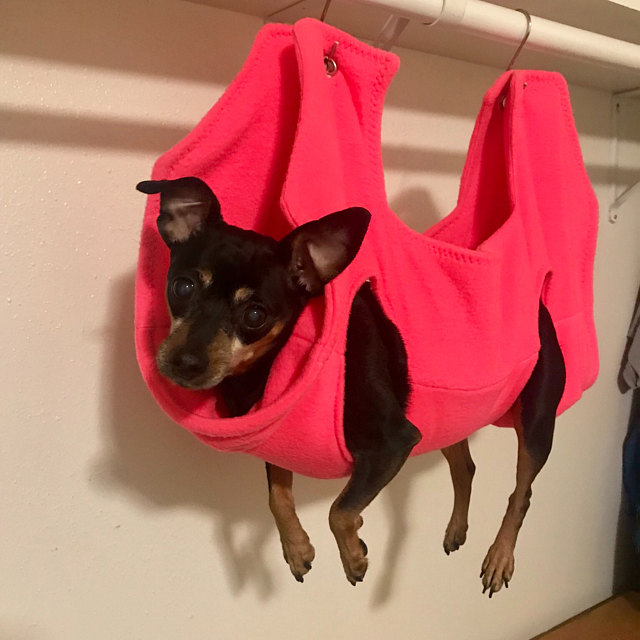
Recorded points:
485,205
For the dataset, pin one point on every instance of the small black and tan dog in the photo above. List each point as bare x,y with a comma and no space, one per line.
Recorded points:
234,296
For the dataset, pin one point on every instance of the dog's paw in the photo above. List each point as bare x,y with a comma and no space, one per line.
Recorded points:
355,564
356,570
299,555
353,550
497,568
455,536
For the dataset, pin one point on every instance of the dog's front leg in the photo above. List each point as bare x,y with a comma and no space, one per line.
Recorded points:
372,470
376,431
296,547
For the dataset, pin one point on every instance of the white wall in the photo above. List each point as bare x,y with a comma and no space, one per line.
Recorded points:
118,524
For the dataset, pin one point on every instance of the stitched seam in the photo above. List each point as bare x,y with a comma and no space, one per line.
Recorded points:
487,258
499,381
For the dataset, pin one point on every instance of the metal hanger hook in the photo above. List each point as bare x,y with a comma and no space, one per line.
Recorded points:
327,4
527,15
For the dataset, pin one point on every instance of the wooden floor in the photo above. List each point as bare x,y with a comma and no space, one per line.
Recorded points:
615,619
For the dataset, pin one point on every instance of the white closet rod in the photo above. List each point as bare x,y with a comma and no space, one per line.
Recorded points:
506,25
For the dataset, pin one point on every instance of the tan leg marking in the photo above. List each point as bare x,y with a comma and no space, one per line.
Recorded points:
296,546
499,564
344,525
462,470
372,471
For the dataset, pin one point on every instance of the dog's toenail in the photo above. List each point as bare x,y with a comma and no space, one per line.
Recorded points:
307,566
299,578
365,550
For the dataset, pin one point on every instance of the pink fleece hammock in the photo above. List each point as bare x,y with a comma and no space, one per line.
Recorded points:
287,144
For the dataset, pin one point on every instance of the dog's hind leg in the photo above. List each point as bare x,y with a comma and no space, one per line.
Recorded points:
462,470
296,547
538,403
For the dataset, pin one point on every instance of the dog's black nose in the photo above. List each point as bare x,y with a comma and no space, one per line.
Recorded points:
189,365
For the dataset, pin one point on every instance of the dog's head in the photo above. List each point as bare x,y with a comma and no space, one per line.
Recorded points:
233,294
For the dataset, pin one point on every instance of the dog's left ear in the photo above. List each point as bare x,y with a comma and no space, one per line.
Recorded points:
186,205
316,252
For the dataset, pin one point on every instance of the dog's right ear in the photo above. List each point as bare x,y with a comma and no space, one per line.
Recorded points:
186,206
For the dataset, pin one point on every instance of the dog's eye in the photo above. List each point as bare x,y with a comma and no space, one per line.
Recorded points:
183,288
254,316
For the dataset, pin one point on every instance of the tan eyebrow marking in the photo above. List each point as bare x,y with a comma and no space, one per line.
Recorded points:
242,294
205,276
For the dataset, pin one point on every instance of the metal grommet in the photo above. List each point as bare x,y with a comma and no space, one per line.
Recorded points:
330,65
503,102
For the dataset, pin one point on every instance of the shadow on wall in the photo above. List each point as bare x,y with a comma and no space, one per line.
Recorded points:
158,463
416,208
211,46
148,456
170,40
99,132
89,132
208,46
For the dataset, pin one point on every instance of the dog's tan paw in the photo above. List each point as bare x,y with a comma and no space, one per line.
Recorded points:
299,555
497,568
455,536
353,550
355,563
